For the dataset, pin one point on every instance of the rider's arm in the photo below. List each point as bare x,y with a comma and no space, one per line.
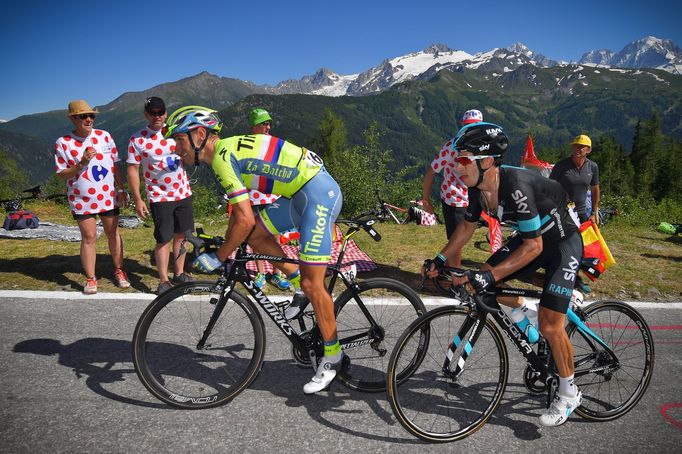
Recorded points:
530,248
242,222
453,250
426,190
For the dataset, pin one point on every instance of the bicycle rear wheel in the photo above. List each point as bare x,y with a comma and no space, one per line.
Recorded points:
434,404
610,394
393,306
166,354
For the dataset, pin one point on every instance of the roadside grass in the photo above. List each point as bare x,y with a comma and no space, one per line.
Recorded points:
649,263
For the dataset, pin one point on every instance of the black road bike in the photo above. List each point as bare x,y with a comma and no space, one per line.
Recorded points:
200,344
461,365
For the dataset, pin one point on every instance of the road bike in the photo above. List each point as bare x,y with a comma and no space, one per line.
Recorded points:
391,213
200,344
36,192
461,365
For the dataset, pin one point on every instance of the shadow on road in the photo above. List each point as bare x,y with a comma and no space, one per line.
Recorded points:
102,362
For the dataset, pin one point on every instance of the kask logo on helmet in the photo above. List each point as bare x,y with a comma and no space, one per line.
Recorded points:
493,131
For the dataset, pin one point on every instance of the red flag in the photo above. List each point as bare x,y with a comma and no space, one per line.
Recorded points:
530,160
495,230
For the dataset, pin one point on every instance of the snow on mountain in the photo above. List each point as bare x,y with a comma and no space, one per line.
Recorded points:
597,57
649,52
406,67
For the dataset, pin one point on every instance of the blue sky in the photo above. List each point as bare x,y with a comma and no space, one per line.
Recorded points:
53,52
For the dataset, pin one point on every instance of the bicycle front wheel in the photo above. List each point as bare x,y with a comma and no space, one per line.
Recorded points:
171,364
453,392
612,385
392,306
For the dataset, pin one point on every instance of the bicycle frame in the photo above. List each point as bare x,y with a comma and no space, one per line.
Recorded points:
477,319
238,273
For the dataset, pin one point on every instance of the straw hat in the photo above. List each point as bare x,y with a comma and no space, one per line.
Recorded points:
79,106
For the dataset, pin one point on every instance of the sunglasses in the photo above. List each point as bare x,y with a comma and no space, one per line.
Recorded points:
466,160
156,113
84,116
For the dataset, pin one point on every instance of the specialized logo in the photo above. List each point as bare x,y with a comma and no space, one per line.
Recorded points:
318,232
270,308
520,200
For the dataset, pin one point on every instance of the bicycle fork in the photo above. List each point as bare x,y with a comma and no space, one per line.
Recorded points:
478,323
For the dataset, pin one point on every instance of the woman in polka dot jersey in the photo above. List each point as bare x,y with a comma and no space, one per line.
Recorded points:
87,160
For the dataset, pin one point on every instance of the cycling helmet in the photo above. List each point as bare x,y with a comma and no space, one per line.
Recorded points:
188,118
258,116
482,139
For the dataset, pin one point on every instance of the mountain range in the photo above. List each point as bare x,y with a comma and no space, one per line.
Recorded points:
416,99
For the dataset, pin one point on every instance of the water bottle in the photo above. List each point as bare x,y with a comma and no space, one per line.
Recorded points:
519,317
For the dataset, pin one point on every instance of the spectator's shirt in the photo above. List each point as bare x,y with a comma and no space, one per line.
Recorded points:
264,163
576,182
92,189
530,203
164,173
453,191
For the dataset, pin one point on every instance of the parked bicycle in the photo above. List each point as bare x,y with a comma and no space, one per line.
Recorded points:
200,344
461,366
391,213
36,192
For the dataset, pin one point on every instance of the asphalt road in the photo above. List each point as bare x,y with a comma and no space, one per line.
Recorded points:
68,385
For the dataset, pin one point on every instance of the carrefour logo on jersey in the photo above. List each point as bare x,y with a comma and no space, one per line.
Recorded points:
172,163
98,173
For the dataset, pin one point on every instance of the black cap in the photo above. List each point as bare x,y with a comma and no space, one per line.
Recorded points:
154,103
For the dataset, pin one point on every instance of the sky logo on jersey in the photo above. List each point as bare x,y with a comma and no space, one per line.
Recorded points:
520,200
569,273
173,163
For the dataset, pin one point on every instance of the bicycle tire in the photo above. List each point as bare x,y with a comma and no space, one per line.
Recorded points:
166,356
611,395
393,306
432,406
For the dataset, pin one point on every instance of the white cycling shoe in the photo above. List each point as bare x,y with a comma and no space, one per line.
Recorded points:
326,372
560,410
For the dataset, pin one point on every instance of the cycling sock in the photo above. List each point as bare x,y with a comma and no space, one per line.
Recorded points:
566,387
332,350
295,281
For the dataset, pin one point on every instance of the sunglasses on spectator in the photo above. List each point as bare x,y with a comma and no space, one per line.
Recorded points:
156,113
84,116
466,160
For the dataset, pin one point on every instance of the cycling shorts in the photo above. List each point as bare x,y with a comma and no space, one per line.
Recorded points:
312,211
560,261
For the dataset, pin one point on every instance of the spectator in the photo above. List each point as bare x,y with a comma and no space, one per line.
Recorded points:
261,122
88,160
577,174
453,192
167,188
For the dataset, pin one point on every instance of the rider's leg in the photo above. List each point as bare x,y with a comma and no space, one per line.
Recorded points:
88,229
552,326
263,242
312,283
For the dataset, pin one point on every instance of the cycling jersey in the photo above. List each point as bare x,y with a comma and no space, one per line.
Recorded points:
164,173
91,190
537,206
312,211
262,162
530,203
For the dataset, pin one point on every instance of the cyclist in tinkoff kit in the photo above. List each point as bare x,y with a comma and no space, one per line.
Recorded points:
310,202
548,238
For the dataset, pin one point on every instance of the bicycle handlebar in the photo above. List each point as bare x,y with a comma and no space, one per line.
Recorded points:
458,272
